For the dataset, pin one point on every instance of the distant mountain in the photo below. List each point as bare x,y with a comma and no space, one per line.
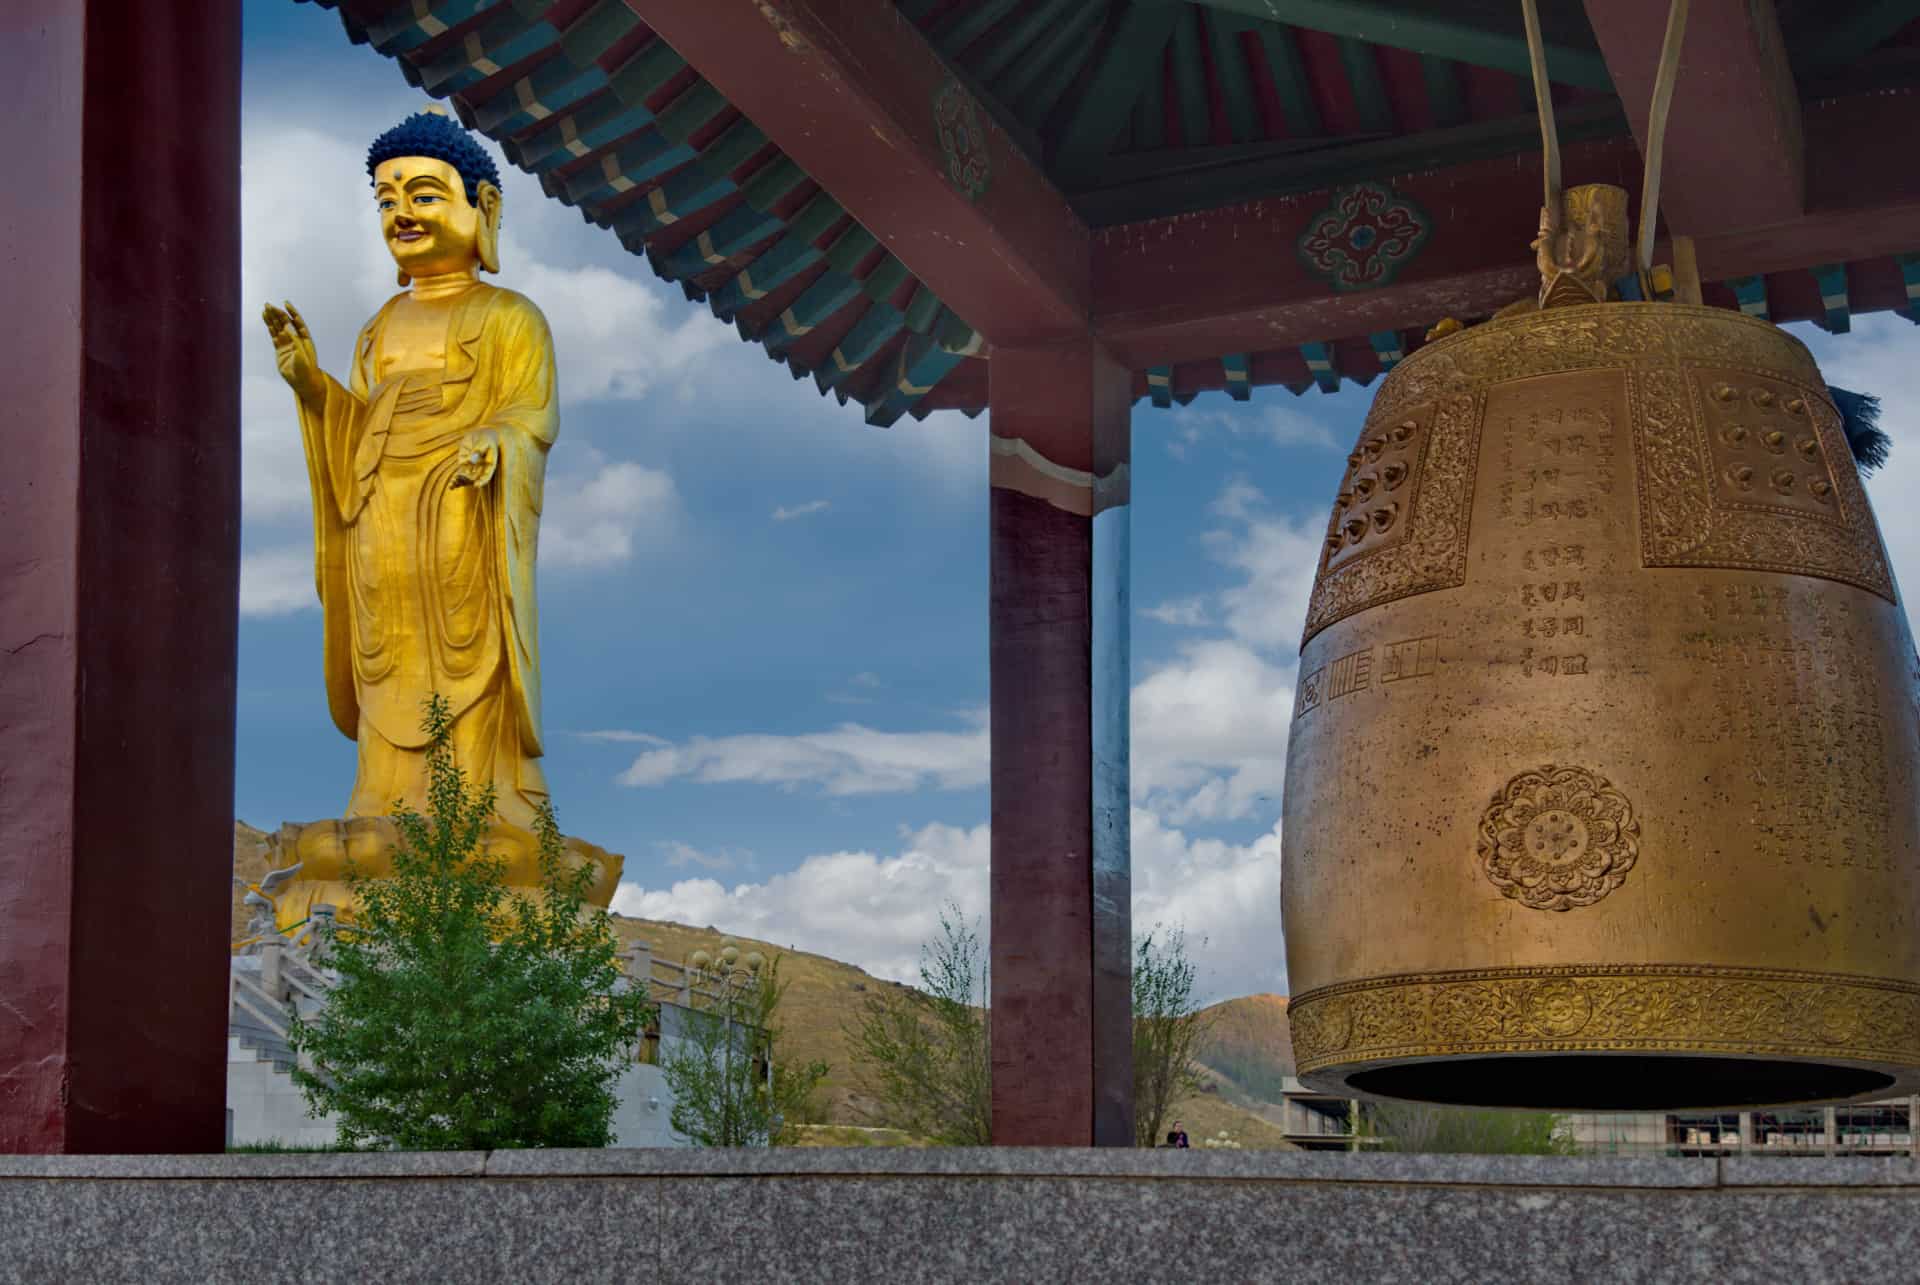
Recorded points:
1249,1046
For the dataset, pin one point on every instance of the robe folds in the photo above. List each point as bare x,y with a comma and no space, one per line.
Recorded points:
428,587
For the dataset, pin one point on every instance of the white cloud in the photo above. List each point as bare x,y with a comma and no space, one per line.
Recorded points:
867,909
1186,613
615,337
785,514
621,736
1226,896
275,582
1280,423
876,911
1278,555
849,759
1210,733
603,520
678,854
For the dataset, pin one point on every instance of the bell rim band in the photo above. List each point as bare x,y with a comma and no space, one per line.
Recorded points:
1347,1029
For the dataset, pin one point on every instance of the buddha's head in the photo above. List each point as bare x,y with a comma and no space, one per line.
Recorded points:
438,194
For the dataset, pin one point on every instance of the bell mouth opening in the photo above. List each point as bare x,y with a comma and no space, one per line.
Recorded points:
1618,1082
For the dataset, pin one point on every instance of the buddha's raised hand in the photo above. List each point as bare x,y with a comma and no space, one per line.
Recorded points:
294,352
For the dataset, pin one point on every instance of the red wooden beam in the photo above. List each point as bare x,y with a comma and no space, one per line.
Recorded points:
1231,280
847,89
1734,154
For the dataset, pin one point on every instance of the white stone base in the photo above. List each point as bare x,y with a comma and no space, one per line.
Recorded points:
263,1105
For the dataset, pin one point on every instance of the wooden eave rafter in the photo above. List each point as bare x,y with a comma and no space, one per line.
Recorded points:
816,212
846,87
1734,155
1485,33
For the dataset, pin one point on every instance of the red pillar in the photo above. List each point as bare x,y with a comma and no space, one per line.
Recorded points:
1061,937
119,563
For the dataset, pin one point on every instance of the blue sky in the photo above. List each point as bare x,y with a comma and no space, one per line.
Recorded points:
763,624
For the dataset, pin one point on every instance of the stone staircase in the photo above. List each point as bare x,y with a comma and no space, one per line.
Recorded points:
263,1103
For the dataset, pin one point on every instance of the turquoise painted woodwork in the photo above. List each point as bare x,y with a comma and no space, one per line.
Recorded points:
1128,73
792,254
1069,53
1369,91
816,303
923,362
1833,297
736,231
1037,20
1910,275
498,43
1444,97
956,34
1319,357
879,324
1825,40
561,81
1289,72
1751,294
580,133
577,135
1483,35
404,29
1239,376
1364,238
1160,385
1150,121
1189,78
1388,347
673,200
922,310
638,161
1230,71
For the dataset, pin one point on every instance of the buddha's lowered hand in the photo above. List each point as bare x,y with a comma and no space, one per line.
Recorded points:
479,451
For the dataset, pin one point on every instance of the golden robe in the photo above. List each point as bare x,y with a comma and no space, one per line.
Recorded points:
427,587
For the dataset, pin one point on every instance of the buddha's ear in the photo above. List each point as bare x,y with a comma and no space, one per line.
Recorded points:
489,241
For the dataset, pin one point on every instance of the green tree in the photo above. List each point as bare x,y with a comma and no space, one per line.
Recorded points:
469,1017
1427,1127
731,1086
924,1056
1168,1029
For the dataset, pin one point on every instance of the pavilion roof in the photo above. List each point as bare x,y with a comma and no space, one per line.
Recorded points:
1135,111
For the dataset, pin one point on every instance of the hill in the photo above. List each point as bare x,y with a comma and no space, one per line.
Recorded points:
824,997
1249,1046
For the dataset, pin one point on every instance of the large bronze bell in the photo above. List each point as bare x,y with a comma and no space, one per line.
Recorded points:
1601,788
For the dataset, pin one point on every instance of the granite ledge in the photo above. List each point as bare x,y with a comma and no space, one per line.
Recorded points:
1620,1172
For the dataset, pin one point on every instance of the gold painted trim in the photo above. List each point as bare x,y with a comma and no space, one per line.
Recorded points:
477,55
529,103
1607,1008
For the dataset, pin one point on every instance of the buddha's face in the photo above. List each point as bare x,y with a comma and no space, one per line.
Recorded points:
429,225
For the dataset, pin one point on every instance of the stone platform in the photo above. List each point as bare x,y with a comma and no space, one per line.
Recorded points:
956,1215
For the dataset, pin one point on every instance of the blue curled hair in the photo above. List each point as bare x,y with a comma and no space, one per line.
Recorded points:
443,139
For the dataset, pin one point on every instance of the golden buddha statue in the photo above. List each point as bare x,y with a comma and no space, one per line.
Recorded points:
427,468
